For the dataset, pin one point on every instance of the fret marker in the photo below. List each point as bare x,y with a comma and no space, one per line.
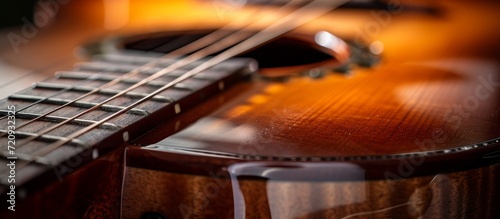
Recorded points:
95,153
125,136
177,108
221,85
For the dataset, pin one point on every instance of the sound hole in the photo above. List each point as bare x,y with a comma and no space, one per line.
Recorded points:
284,51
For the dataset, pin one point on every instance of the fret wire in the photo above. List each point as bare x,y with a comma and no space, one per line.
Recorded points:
81,104
50,138
72,75
49,118
257,39
45,85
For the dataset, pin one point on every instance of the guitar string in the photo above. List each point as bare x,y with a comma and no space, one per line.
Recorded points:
191,47
388,208
193,57
294,19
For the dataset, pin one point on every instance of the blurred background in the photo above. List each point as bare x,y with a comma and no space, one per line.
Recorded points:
39,37
11,12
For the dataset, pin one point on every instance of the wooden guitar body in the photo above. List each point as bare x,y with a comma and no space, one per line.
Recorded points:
412,132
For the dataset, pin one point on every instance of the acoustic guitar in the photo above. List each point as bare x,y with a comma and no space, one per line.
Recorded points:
251,109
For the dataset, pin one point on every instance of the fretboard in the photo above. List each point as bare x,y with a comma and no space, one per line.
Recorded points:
66,87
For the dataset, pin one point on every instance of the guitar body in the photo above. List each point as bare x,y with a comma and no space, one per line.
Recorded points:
415,134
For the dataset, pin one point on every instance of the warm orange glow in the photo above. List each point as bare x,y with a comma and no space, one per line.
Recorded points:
239,110
116,13
258,99
274,88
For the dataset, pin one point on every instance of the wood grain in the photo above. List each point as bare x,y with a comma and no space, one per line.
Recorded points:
93,191
466,194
